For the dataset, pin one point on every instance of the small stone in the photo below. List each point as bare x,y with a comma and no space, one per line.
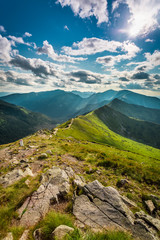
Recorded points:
27,182
61,231
9,236
49,152
25,235
150,206
21,143
122,182
43,156
37,234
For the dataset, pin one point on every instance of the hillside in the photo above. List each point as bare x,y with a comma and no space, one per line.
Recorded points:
135,111
17,122
52,178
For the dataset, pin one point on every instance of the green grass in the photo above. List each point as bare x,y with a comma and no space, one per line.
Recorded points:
126,157
11,198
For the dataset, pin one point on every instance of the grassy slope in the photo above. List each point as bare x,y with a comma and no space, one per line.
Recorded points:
139,160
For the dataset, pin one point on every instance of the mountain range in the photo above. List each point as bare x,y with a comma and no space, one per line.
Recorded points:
61,106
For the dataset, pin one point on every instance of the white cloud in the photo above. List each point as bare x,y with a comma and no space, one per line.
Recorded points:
90,46
5,49
116,4
128,47
149,40
153,59
66,27
88,8
48,50
144,16
18,40
27,34
2,29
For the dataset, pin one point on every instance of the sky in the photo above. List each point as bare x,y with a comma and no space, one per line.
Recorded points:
84,45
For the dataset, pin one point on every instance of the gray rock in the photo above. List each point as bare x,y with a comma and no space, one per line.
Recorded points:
9,236
61,231
25,235
149,220
54,186
49,152
150,206
43,156
14,176
104,207
122,182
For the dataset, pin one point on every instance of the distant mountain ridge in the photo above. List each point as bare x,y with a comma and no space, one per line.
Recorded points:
136,111
17,122
61,106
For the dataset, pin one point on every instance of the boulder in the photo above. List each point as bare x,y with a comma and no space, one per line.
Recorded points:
102,207
61,231
54,186
14,176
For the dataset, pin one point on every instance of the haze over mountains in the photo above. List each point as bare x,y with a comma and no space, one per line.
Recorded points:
139,121
61,105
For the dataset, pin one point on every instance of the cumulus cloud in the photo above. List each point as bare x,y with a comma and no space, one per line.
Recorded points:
153,59
88,8
18,40
144,16
2,29
124,79
5,49
37,66
140,75
94,45
27,34
133,85
130,48
49,51
86,77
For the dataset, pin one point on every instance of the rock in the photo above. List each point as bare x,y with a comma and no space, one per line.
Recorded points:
150,206
79,181
25,235
37,234
27,182
149,220
54,186
49,152
122,182
61,231
43,156
143,231
9,236
102,207
128,202
14,176
21,143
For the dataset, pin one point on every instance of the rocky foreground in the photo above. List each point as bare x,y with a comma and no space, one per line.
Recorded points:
94,205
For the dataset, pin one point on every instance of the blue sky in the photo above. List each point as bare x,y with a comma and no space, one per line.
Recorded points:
86,45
